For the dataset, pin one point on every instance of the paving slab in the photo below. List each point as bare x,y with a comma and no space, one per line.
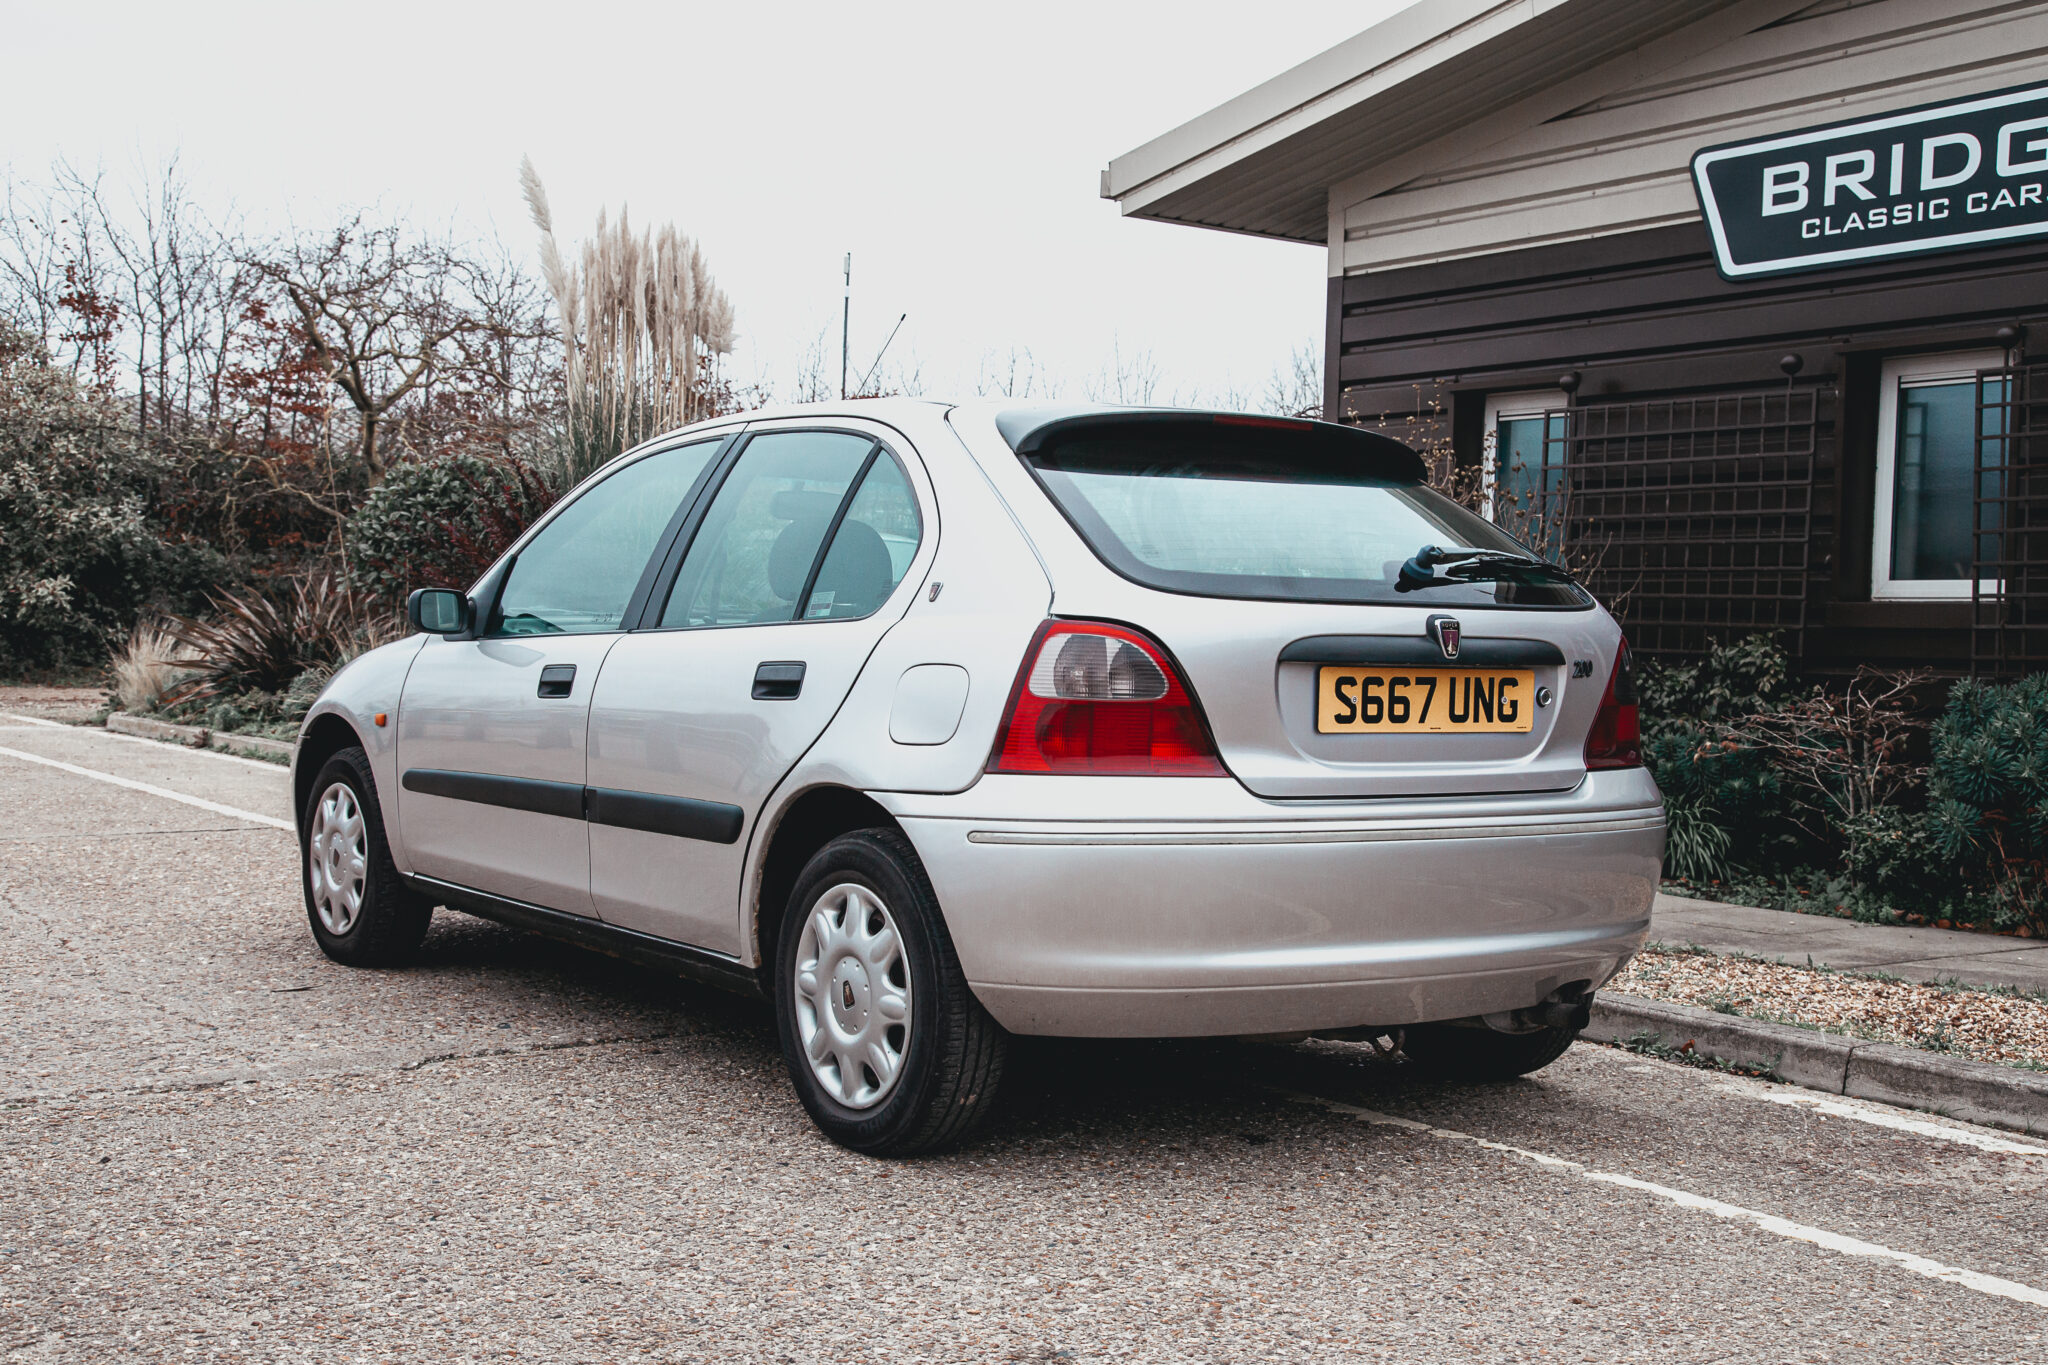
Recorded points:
1914,953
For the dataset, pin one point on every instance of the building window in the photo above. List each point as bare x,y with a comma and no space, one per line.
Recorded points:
1524,467
1928,429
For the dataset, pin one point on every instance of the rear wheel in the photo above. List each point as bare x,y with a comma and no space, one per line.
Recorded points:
1481,1054
362,912
889,1051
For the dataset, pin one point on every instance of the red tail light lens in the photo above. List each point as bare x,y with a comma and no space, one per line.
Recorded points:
1616,739
1103,700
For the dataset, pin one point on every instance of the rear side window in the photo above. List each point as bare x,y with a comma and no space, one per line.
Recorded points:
1266,513
871,549
809,525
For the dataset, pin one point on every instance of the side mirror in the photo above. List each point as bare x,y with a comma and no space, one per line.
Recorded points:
438,611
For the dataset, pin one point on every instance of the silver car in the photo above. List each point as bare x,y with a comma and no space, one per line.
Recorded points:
936,724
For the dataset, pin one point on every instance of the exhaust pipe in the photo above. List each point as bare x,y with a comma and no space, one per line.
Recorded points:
1569,1007
1571,1014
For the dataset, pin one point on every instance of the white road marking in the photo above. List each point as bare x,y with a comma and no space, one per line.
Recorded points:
1782,1227
99,733
201,802
1884,1118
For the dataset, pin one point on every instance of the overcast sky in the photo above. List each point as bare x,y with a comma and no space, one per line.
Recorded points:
956,156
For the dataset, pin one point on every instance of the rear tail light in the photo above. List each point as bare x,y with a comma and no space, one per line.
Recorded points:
1616,739
1104,700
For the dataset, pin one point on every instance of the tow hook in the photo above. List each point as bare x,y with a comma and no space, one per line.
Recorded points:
1570,1007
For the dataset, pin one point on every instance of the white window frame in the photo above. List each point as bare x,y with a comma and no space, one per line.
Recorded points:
1905,372
1511,407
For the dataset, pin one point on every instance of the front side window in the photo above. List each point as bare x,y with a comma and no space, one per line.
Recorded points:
577,575
761,555
1933,412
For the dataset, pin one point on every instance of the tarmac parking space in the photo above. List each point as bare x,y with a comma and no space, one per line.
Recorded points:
214,1144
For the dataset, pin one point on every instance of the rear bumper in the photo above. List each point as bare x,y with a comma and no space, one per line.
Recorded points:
1237,915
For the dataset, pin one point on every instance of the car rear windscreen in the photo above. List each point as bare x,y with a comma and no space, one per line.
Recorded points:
1308,514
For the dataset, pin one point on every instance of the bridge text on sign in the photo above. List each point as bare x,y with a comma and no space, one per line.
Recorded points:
1966,173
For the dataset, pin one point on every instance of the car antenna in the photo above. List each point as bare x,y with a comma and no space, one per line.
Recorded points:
878,356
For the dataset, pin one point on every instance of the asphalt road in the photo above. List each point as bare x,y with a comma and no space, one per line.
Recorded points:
215,1145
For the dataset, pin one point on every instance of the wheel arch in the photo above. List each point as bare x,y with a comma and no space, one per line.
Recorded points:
327,736
809,821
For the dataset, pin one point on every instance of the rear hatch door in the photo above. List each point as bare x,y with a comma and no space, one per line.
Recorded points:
1267,557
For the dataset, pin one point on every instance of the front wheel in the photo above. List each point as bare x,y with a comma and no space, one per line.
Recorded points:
1480,1054
362,913
889,1051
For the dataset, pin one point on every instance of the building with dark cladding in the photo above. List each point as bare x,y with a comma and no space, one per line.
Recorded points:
1730,302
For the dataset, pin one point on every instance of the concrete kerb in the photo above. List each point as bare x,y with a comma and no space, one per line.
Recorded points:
199,737
1976,1092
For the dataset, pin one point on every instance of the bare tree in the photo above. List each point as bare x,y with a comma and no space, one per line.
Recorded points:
60,274
382,314
1014,374
1296,387
1132,378
1847,748
814,382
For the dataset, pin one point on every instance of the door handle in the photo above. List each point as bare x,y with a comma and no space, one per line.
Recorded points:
778,681
556,680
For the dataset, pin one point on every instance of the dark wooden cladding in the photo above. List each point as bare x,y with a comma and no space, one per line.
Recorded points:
1631,300
1728,499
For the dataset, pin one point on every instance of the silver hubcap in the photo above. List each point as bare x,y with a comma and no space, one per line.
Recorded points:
338,859
853,996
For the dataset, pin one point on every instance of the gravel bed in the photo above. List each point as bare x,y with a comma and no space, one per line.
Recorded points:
1989,1026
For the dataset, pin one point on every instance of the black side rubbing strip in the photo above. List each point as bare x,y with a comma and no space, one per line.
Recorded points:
1408,649
712,821
514,793
697,964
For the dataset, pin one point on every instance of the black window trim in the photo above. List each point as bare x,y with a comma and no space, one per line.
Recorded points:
491,587
664,581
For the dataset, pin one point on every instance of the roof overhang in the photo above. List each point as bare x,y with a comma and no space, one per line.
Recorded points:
1263,163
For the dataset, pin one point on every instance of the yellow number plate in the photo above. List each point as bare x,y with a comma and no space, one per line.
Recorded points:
1382,700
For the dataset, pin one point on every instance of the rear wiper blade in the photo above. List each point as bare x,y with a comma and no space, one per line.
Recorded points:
1473,566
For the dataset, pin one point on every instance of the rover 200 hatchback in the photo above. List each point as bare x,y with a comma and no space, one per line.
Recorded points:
939,724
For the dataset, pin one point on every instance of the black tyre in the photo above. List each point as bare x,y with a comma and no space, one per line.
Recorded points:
1480,1054
363,914
889,1050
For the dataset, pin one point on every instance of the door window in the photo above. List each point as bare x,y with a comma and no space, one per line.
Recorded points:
1928,484
577,575
754,555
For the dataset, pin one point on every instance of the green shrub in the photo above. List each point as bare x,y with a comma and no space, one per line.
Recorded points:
1987,791
1695,842
80,558
1712,780
1733,680
440,523
1895,861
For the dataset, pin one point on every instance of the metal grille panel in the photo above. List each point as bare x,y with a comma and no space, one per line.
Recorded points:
2009,599
1692,516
